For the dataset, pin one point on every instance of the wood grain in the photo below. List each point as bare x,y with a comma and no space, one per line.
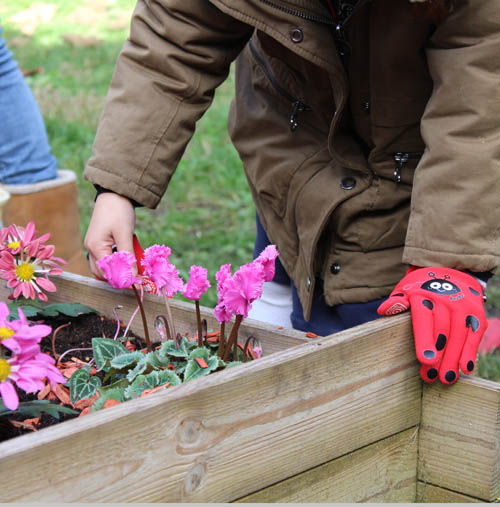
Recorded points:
232,433
382,472
427,493
460,437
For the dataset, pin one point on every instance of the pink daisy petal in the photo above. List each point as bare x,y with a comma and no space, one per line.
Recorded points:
9,395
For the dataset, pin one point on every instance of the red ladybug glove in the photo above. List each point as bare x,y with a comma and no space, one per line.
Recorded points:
448,319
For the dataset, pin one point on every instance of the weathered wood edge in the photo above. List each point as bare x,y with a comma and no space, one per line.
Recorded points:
285,421
27,441
384,471
459,444
428,493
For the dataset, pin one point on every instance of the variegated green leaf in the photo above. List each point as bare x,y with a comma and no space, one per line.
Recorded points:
83,385
150,381
168,348
107,393
140,367
124,360
194,370
203,353
169,376
105,350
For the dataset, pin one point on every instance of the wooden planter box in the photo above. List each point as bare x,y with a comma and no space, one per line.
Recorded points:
339,419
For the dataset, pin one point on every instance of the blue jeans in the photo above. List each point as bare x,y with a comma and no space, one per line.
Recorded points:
25,155
325,319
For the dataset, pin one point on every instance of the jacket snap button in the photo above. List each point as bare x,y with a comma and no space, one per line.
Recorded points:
347,183
296,35
335,269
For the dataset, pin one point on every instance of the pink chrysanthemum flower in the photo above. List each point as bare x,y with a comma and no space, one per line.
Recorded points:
117,269
15,238
27,374
161,271
197,284
267,258
27,271
243,288
19,336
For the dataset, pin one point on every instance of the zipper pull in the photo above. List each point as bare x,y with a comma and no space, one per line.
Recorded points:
400,158
297,107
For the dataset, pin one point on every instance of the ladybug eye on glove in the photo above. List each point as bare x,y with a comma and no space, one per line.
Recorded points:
448,319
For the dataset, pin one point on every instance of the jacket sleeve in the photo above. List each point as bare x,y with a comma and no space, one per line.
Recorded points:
455,209
177,53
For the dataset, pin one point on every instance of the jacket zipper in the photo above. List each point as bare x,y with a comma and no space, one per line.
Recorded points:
401,158
297,105
340,35
300,14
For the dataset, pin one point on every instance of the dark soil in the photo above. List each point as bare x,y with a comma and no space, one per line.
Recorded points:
77,335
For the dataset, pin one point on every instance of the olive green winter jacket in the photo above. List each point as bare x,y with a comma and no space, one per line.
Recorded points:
332,145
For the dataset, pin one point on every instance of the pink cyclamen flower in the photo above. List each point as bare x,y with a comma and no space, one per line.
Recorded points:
19,336
27,374
117,269
221,313
197,284
221,276
268,260
243,288
161,271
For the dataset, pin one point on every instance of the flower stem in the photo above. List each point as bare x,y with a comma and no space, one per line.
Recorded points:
169,313
233,338
167,327
144,322
59,359
222,340
198,322
54,334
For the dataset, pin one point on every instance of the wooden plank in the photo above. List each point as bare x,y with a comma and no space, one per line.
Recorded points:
382,472
99,295
428,493
224,436
460,437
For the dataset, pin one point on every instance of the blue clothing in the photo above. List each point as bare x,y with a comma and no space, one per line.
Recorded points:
325,319
25,155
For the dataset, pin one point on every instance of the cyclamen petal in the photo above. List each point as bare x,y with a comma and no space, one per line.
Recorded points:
221,313
161,271
221,276
197,284
268,258
117,269
244,288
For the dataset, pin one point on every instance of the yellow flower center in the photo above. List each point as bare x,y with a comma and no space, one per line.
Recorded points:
25,272
4,369
14,244
6,332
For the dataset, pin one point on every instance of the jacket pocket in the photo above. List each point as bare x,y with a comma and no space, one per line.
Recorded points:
295,104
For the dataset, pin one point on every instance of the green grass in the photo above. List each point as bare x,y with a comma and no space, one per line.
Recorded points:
207,215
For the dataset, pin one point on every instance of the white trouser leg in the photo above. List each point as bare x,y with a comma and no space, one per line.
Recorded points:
274,306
